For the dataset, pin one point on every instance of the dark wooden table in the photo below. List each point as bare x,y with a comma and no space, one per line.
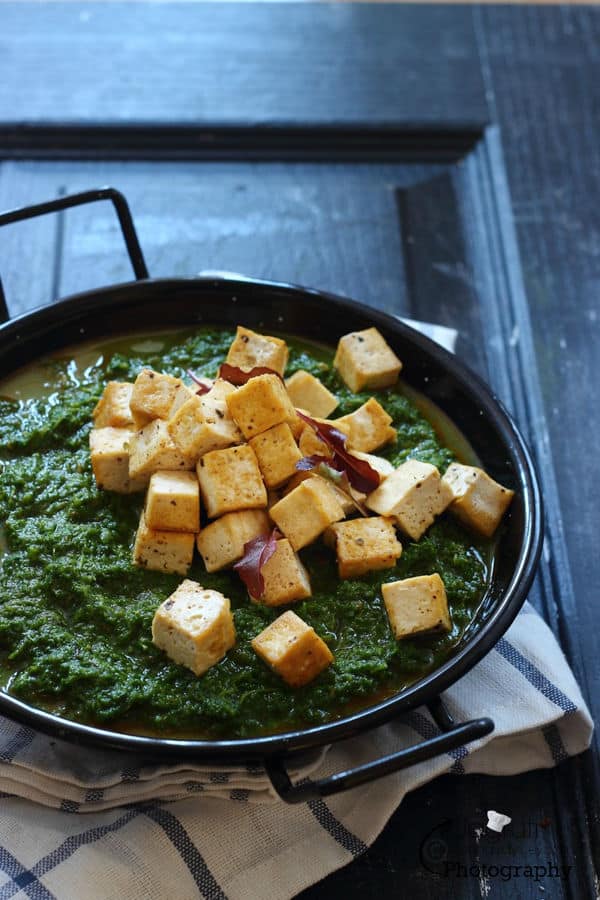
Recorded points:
437,162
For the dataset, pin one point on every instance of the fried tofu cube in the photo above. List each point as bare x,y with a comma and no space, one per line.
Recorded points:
261,403
478,501
222,542
109,451
309,441
293,649
230,480
413,495
305,513
112,409
277,453
285,578
342,497
339,424
173,502
297,426
365,360
310,394
293,483
203,423
214,405
346,502
156,396
162,551
186,428
194,626
216,398
152,449
310,444
250,350
369,427
417,605
365,545
382,466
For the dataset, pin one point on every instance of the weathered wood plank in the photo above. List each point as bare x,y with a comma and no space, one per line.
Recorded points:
331,227
237,63
29,259
440,283
543,71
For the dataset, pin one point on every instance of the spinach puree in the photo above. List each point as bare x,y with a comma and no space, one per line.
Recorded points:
75,615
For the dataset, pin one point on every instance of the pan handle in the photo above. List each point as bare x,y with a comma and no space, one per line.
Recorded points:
452,736
105,193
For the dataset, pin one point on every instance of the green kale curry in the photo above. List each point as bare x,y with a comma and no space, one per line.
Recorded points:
75,615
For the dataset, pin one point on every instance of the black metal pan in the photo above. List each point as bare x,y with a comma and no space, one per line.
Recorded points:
162,303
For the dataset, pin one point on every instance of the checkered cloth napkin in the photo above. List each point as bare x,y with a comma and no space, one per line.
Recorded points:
82,823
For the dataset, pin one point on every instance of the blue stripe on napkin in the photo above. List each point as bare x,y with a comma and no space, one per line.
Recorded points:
533,675
188,851
22,879
335,828
28,879
17,744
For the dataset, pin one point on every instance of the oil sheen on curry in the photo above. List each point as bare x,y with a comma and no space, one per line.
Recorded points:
218,535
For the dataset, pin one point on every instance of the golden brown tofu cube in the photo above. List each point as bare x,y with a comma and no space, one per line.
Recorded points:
339,424
286,579
293,649
216,412
342,497
109,451
112,409
156,396
305,513
277,453
308,393
413,495
478,501
152,449
186,428
222,542
203,423
194,626
261,403
369,427
365,360
382,466
215,401
293,483
310,444
230,480
162,551
250,350
346,502
365,545
173,502
417,605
